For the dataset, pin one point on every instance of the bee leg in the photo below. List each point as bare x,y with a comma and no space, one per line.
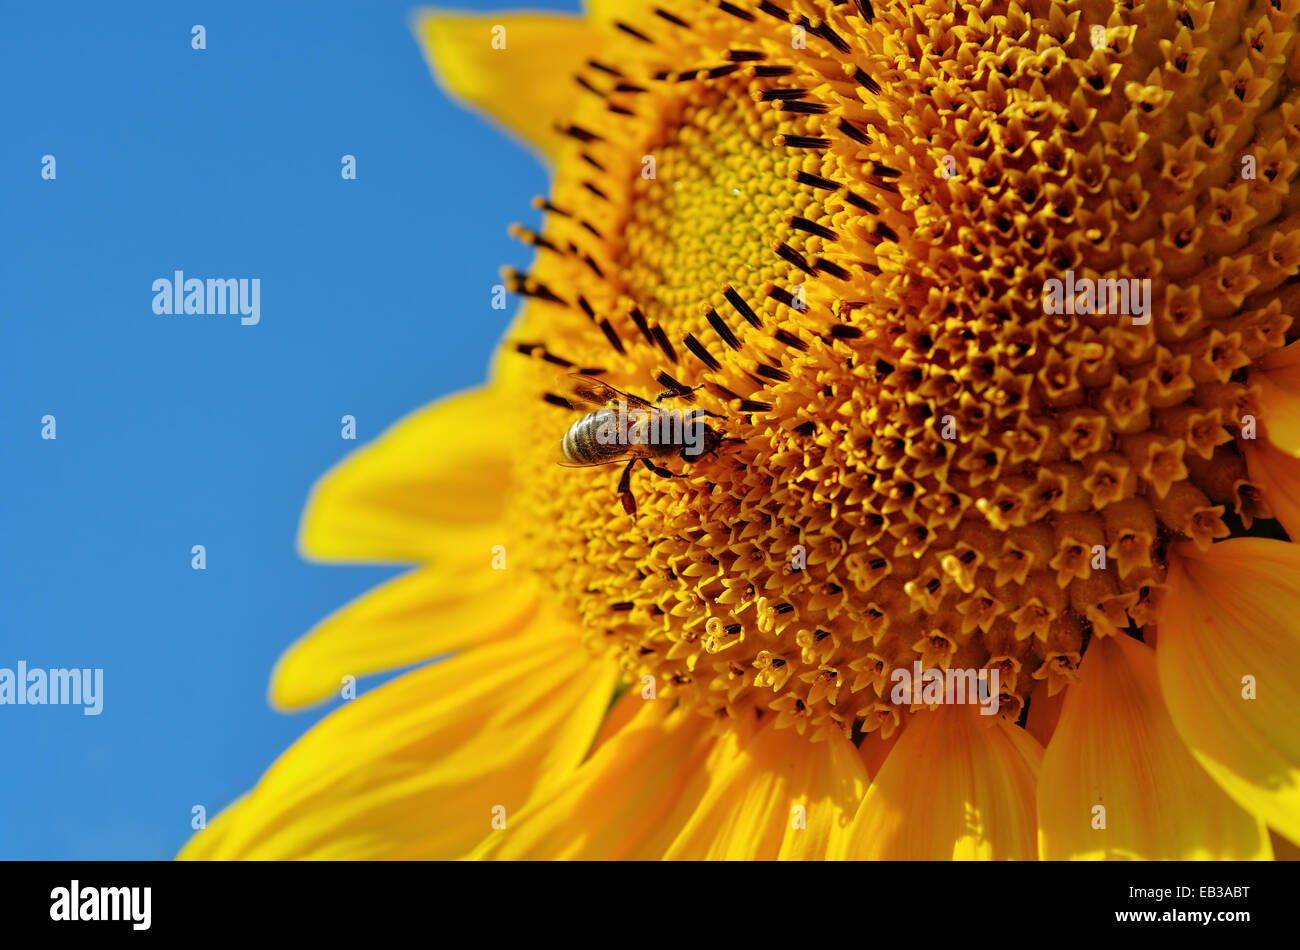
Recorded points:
658,470
682,393
705,412
714,451
625,488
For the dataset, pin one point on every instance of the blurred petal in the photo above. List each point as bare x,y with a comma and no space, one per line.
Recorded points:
779,796
1115,747
528,85
606,12
431,488
1278,379
1232,612
604,9
1278,476
420,615
416,768
874,750
1044,713
1283,848
627,801
206,845
621,713
956,785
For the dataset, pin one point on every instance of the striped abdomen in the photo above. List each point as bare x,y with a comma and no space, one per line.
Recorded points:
580,445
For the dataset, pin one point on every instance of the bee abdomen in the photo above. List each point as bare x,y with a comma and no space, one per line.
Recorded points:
581,446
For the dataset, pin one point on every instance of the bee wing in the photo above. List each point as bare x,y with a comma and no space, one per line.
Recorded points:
624,454
597,394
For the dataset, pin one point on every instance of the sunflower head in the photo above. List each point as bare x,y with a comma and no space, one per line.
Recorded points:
845,228
986,307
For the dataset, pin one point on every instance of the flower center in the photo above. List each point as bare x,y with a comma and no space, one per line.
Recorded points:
937,462
708,205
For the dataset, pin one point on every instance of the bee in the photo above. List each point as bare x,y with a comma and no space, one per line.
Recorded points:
622,427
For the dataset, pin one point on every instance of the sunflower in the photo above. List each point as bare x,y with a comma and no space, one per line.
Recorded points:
839,232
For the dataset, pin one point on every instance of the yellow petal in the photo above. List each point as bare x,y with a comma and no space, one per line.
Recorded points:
1116,749
1233,612
874,750
835,779
528,85
207,844
779,796
624,709
1278,477
605,11
626,801
956,785
1044,712
1283,848
418,616
432,487
416,768
1278,379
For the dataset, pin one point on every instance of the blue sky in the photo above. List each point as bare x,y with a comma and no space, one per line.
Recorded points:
176,431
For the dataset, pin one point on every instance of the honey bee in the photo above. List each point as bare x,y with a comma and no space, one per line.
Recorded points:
623,427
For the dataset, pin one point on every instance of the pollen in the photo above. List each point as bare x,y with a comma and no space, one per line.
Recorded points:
841,222
708,206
